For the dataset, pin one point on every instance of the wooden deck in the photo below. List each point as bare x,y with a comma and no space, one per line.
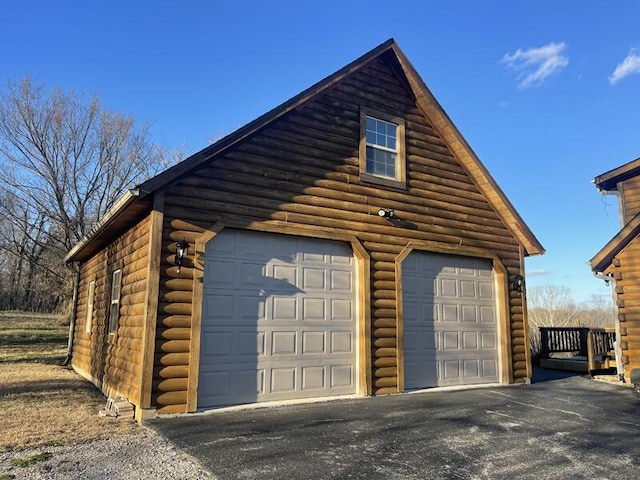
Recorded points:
577,349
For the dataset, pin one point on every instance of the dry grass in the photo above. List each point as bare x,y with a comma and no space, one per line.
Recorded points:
31,338
43,403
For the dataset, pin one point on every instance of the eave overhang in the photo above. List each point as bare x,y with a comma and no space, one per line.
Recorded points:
608,181
603,259
117,219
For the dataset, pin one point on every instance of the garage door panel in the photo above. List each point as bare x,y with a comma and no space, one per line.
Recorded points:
283,379
341,377
469,314
487,314
485,290
220,344
236,343
283,343
314,343
342,310
341,343
237,384
313,278
450,314
249,275
448,287
284,308
470,341
341,281
286,326
286,273
471,369
250,308
488,340
450,331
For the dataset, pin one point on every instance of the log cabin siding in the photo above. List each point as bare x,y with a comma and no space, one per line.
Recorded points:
114,362
303,170
630,198
626,272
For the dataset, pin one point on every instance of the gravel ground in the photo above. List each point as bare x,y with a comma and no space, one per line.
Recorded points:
141,455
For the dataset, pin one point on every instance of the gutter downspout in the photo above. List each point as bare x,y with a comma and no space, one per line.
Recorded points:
72,323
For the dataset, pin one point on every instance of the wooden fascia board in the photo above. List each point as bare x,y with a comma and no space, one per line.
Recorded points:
467,157
602,260
105,222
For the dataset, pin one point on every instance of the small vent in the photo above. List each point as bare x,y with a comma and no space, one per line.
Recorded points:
117,407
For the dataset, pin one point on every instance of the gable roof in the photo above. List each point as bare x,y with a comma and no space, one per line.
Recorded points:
602,260
425,100
608,181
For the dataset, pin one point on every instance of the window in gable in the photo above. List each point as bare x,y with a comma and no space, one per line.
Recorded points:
114,309
89,317
382,158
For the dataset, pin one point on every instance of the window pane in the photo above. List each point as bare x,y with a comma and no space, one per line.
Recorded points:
391,170
371,137
391,129
371,124
391,142
371,154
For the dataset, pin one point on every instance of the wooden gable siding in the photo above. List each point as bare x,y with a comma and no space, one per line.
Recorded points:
114,362
304,170
626,272
629,192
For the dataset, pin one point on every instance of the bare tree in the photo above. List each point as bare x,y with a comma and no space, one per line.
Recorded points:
597,312
64,160
550,306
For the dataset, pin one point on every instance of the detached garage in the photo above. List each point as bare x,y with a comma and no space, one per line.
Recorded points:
348,242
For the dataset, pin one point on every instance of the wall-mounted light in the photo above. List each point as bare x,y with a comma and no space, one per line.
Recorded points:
182,249
518,284
386,213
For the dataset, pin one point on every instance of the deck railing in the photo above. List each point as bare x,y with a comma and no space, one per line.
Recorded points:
594,345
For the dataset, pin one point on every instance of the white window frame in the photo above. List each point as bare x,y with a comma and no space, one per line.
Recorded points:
114,307
89,317
399,179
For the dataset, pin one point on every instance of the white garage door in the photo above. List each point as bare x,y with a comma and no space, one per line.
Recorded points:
278,320
450,334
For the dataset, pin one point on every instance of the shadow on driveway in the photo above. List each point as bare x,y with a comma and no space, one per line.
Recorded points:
567,427
548,375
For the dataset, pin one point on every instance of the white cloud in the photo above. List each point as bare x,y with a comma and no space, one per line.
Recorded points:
629,65
536,64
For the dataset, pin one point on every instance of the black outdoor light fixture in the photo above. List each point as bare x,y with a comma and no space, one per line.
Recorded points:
518,284
385,213
182,248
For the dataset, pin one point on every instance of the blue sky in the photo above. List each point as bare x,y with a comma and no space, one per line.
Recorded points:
547,93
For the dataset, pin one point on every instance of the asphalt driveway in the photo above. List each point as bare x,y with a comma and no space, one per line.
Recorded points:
562,427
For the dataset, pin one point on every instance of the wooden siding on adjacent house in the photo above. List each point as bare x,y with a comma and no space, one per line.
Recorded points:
630,198
626,273
114,362
302,170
